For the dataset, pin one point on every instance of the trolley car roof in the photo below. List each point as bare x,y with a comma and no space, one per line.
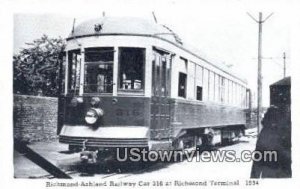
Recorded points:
142,27
125,26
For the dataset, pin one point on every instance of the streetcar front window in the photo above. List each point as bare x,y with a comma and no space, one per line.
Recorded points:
98,70
131,69
74,62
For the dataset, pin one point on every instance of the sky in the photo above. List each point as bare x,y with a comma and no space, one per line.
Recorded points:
223,32
221,28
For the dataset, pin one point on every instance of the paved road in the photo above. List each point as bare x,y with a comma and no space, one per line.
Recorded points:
58,155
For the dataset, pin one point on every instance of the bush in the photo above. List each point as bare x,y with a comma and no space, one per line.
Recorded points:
36,68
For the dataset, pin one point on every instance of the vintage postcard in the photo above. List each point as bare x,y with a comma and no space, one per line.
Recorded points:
151,94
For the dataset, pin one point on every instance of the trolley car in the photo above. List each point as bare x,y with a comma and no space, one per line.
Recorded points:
130,82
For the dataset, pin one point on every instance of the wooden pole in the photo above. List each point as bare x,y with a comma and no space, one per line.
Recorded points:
259,70
259,75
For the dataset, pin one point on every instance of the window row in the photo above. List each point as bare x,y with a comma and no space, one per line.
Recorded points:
98,70
195,82
198,83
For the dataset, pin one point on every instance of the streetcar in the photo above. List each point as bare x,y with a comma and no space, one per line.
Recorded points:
129,82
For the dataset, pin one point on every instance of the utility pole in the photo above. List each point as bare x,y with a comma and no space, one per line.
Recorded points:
259,78
284,65
260,21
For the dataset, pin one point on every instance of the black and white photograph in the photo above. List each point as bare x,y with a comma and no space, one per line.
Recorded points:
150,94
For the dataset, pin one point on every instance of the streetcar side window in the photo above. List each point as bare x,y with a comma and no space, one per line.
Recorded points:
191,80
131,69
222,89
182,85
234,93
211,86
205,84
199,93
226,96
98,70
182,77
199,75
199,83
244,97
217,89
239,94
230,92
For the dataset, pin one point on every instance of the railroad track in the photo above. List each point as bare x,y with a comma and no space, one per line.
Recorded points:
119,172
120,175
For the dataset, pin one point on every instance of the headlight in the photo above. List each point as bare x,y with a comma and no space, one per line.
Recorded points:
92,115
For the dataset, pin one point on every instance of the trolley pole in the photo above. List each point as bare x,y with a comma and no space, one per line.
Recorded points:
260,21
284,65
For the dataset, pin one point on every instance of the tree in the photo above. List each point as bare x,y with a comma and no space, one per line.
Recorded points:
36,68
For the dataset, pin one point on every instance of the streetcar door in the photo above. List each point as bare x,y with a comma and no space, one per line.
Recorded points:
160,101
